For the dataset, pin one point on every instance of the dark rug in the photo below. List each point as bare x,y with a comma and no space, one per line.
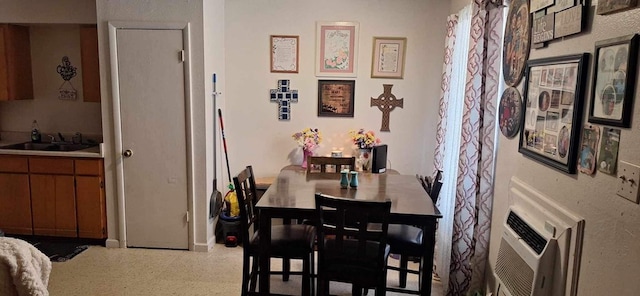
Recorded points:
56,248
58,251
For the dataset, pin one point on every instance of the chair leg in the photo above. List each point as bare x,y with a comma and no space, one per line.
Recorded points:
246,274
312,270
323,287
356,290
381,289
306,278
402,276
253,275
286,269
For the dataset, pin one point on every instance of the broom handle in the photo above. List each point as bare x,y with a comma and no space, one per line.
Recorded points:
224,142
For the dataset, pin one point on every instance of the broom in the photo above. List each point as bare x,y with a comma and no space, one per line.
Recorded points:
230,199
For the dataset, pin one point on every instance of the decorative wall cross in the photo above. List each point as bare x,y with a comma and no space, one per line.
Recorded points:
386,102
284,96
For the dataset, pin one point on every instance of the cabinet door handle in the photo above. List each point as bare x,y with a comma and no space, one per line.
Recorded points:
127,153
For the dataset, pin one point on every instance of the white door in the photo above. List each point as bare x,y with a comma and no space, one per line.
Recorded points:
152,111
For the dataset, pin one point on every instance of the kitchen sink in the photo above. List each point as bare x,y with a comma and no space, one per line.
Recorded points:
48,146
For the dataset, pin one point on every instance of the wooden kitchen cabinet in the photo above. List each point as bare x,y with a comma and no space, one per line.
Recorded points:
53,196
90,63
16,82
53,199
92,219
15,195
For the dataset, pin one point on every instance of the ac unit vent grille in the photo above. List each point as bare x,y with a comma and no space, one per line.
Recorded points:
526,233
514,272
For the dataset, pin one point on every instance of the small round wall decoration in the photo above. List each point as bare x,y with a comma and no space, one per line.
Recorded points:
510,112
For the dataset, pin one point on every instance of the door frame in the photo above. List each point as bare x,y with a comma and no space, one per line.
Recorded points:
117,124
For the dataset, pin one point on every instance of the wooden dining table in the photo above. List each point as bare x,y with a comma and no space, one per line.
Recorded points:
291,196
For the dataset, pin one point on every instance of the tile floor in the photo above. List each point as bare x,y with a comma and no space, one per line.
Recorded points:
102,271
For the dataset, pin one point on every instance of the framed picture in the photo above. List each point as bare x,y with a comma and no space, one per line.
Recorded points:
337,49
608,155
611,6
614,81
336,98
388,57
588,146
553,92
284,54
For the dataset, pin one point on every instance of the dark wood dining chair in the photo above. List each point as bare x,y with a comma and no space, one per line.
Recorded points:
287,241
323,162
352,243
407,240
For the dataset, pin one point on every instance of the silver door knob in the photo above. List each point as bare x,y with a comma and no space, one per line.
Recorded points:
127,153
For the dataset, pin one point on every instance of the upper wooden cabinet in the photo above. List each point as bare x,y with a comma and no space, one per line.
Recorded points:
16,82
90,65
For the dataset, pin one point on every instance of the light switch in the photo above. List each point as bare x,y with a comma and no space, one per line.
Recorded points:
628,181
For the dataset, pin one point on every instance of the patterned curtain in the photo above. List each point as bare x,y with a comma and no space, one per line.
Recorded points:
471,182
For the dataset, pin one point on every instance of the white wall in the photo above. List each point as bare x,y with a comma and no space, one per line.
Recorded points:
16,116
49,43
255,135
214,62
611,251
48,12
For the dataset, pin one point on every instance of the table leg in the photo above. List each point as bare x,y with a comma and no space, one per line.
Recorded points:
429,241
265,242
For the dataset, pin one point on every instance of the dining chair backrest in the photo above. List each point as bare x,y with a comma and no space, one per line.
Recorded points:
425,182
352,234
245,188
322,162
434,193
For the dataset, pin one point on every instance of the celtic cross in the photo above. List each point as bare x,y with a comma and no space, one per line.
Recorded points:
386,102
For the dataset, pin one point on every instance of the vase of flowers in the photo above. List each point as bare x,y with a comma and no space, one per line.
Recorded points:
308,139
364,142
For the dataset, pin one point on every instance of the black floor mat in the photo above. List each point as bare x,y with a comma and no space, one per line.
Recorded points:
60,251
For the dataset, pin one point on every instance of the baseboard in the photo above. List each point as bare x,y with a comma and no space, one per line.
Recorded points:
205,247
112,243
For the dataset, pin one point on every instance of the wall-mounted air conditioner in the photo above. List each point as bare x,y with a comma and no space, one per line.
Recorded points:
540,248
525,258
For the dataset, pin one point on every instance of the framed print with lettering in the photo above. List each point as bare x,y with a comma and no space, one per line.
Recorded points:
336,98
337,48
553,95
284,54
388,57
614,81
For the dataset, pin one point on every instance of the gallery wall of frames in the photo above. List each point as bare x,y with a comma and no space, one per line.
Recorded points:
545,99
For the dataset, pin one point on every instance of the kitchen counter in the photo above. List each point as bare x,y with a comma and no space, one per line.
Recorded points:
92,152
